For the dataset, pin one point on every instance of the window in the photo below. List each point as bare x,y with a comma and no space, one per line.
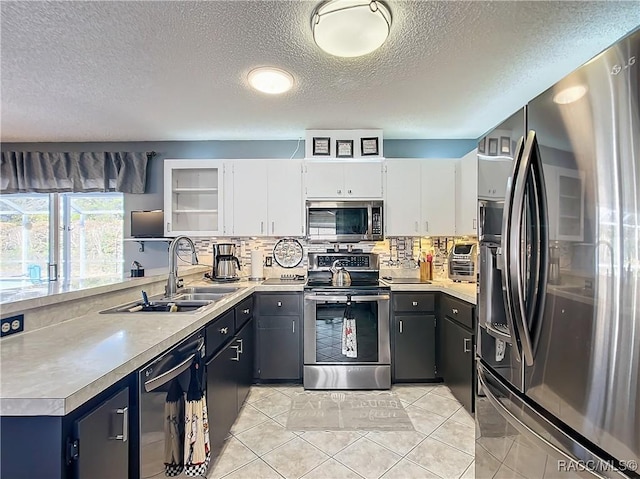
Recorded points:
88,244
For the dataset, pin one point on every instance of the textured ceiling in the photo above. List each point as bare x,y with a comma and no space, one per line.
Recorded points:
143,70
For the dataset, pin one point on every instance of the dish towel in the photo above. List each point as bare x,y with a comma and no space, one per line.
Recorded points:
174,430
349,342
196,432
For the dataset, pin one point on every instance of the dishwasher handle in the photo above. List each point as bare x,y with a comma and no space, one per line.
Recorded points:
174,372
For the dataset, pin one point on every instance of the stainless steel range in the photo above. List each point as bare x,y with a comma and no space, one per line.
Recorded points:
346,329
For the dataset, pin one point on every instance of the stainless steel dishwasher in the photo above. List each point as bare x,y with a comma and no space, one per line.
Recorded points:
154,382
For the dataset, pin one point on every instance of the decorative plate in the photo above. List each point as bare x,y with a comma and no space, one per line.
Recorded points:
288,252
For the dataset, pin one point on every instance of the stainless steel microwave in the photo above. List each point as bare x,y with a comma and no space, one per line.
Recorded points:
344,221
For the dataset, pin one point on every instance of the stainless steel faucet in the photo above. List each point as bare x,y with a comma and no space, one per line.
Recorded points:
173,280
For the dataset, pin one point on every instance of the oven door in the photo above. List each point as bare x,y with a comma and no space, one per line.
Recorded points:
326,329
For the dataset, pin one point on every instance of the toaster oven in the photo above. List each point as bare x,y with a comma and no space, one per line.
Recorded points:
463,262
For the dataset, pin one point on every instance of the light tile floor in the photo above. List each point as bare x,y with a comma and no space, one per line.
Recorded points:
260,446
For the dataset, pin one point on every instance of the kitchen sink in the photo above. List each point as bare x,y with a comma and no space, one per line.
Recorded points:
161,306
220,290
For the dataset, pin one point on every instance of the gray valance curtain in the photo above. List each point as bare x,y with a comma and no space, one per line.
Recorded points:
40,172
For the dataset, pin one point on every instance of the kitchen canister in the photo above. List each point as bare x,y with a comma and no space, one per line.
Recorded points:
257,272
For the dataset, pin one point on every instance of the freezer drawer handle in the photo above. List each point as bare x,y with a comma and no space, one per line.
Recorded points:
125,425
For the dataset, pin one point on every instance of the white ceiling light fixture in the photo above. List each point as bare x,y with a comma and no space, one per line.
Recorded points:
270,80
350,28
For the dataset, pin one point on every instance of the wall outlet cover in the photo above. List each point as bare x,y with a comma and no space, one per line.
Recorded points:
12,325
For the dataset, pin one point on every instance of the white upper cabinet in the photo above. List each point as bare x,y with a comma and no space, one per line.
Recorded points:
439,197
402,201
193,197
267,198
339,179
285,202
250,193
467,194
493,178
420,197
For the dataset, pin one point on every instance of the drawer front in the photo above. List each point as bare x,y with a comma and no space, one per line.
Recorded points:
414,302
458,310
279,304
219,332
244,311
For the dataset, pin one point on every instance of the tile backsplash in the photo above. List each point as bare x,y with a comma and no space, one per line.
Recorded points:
395,253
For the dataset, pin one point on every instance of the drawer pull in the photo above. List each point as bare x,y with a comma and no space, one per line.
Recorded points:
237,358
293,326
224,330
466,345
279,304
454,310
241,342
245,311
415,303
401,326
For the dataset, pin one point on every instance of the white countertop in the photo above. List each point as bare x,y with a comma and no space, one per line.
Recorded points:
53,370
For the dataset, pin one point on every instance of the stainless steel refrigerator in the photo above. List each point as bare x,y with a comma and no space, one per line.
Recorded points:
558,339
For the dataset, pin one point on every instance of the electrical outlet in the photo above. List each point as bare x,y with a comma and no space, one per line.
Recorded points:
268,261
12,325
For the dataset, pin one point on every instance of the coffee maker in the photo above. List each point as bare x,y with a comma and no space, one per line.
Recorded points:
225,263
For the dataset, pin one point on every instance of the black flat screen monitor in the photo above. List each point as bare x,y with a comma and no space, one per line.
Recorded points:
147,224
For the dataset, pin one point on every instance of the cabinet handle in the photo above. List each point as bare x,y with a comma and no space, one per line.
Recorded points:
224,330
401,326
415,303
474,223
466,342
125,425
454,310
293,326
339,192
279,304
261,227
237,358
246,311
426,226
349,191
273,226
168,227
240,341
416,226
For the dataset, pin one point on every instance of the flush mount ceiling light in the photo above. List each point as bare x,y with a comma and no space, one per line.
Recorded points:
350,28
270,80
569,95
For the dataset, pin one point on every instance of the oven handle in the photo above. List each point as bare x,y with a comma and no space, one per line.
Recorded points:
344,299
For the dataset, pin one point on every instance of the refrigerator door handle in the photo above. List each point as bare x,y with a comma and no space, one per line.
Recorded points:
503,256
514,247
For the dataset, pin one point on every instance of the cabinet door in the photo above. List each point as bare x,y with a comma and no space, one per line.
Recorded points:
363,179
103,437
402,198
222,394
193,197
324,180
414,347
249,197
245,342
438,197
278,348
457,353
467,194
285,203
493,178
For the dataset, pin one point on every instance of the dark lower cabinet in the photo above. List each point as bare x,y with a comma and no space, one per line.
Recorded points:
103,435
279,348
414,347
222,394
456,352
245,342
278,336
